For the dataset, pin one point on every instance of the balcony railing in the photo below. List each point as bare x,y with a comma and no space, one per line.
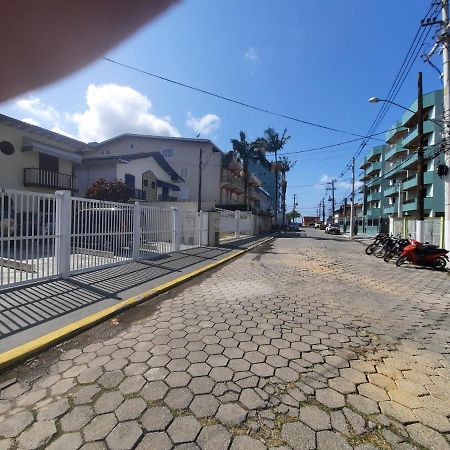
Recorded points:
49,179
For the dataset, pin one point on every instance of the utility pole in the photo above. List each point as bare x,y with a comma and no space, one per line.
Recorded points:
352,209
420,181
293,208
345,214
446,138
199,206
323,210
332,189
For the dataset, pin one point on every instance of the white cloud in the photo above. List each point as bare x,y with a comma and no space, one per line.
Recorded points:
114,109
63,132
252,55
37,108
203,125
31,121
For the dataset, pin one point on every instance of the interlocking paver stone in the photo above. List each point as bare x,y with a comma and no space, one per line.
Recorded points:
204,405
179,398
53,410
99,427
330,398
184,429
156,418
155,441
251,400
124,436
363,404
130,409
231,414
427,437
77,418
298,436
315,418
329,440
373,392
214,437
154,390
246,443
398,412
67,441
107,402
37,435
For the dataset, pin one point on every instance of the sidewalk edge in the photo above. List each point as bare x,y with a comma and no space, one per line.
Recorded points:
24,351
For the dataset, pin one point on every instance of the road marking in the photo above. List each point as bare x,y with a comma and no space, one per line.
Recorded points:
25,350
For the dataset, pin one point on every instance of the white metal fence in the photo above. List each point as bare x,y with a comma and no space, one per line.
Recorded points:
433,229
234,224
51,235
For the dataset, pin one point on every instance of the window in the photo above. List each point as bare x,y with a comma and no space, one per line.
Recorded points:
132,145
168,153
48,163
129,180
6,147
184,173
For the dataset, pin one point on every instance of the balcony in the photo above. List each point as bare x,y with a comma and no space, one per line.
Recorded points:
364,164
374,153
374,212
374,196
411,205
397,132
411,140
395,151
232,182
137,194
374,167
392,190
391,209
411,182
48,179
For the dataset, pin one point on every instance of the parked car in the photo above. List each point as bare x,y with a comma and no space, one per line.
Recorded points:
322,226
333,229
294,227
317,225
27,224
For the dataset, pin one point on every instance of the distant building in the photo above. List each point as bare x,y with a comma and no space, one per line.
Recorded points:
267,178
310,220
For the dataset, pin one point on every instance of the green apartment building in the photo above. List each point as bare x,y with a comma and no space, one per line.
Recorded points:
389,174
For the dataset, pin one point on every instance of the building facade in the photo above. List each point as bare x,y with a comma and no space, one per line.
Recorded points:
33,158
390,171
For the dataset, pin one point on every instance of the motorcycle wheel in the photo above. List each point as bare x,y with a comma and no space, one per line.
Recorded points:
380,252
439,264
400,261
389,256
370,249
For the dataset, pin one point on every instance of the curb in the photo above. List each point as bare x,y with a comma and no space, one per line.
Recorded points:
24,351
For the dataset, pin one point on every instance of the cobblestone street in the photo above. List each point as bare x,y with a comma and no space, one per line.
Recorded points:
302,343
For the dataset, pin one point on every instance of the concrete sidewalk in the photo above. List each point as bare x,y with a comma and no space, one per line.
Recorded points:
34,314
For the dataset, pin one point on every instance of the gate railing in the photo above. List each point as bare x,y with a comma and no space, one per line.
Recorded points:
45,236
234,224
433,229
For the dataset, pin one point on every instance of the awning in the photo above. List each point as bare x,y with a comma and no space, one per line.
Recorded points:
33,146
162,184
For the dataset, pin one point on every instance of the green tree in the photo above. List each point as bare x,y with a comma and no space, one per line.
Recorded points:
284,166
245,152
291,216
272,142
113,191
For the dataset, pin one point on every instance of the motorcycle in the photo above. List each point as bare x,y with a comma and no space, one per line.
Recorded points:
380,238
423,255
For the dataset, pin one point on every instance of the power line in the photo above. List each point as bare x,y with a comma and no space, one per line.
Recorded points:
402,73
231,100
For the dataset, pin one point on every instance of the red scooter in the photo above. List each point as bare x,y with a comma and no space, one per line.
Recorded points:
423,255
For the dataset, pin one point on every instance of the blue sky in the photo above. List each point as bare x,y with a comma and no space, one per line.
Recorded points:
316,60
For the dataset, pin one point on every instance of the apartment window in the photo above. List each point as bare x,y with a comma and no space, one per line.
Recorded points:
132,145
48,163
130,180
184,173
168,153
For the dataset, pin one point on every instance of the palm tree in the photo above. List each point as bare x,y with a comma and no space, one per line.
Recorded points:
246,151
273,143
284,166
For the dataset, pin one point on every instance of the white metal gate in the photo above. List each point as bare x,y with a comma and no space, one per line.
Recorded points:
44,236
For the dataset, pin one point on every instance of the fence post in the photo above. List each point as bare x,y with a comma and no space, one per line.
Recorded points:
63,231
237,216
441,232
204,221
136,230
176,229
404,228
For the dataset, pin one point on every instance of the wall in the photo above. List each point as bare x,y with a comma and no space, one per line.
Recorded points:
185,206
88,173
